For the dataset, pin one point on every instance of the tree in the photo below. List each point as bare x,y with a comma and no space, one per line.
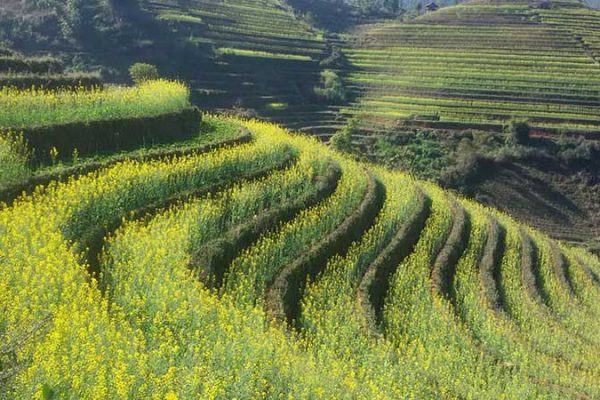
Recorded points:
141,72
332,88
71,18
519,132
342,139
419,8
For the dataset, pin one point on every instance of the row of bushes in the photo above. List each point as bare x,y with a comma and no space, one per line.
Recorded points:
529,267
10,190
285,294
559,263
211,260
92,238
86,138
50,82
446,261
375,283
489,265
31,65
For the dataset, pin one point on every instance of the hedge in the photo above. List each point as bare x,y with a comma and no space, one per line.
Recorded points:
93,137
489,266
211,260
31,65
559,263
529,269
375,283
50,82
285,293
8,194
445,264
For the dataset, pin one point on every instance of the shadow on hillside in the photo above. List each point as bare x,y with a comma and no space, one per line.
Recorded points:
333,16
527,194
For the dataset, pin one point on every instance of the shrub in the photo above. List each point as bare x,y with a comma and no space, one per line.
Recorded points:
34,65
584,153
335,59
332,88
14,158
519,132
72,18
342,139
141,72
465,169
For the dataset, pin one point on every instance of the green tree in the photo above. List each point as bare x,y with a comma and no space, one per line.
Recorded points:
141,72
332,88
519,132
342,139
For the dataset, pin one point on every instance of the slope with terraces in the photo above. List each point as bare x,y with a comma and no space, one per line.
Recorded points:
247,261
261,57
479,65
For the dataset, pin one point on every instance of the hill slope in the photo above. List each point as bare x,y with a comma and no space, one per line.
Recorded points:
182,272
481,64
254,55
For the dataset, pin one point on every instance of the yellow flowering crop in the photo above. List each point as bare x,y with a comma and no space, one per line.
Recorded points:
37,107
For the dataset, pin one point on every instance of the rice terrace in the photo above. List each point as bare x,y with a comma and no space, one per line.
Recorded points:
299,199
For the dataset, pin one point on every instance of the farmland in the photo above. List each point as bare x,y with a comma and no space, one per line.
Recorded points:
247,261
159,241
480,65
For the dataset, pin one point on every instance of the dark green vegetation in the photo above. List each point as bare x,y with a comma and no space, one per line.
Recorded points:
20,71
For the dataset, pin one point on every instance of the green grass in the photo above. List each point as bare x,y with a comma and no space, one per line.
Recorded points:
14,159
262,54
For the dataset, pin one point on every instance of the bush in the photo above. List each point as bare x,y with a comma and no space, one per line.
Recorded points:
14,158
335,59
332,88
141,72
93,137
465,169
584,154
342,139
519,132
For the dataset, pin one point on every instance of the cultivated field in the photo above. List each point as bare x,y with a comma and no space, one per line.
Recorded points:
479,65
238,260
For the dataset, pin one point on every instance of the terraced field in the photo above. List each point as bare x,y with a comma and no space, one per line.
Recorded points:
266,58
481,64
19,71
255,263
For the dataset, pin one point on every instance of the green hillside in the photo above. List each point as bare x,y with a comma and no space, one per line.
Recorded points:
264,58
479,65
236,259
